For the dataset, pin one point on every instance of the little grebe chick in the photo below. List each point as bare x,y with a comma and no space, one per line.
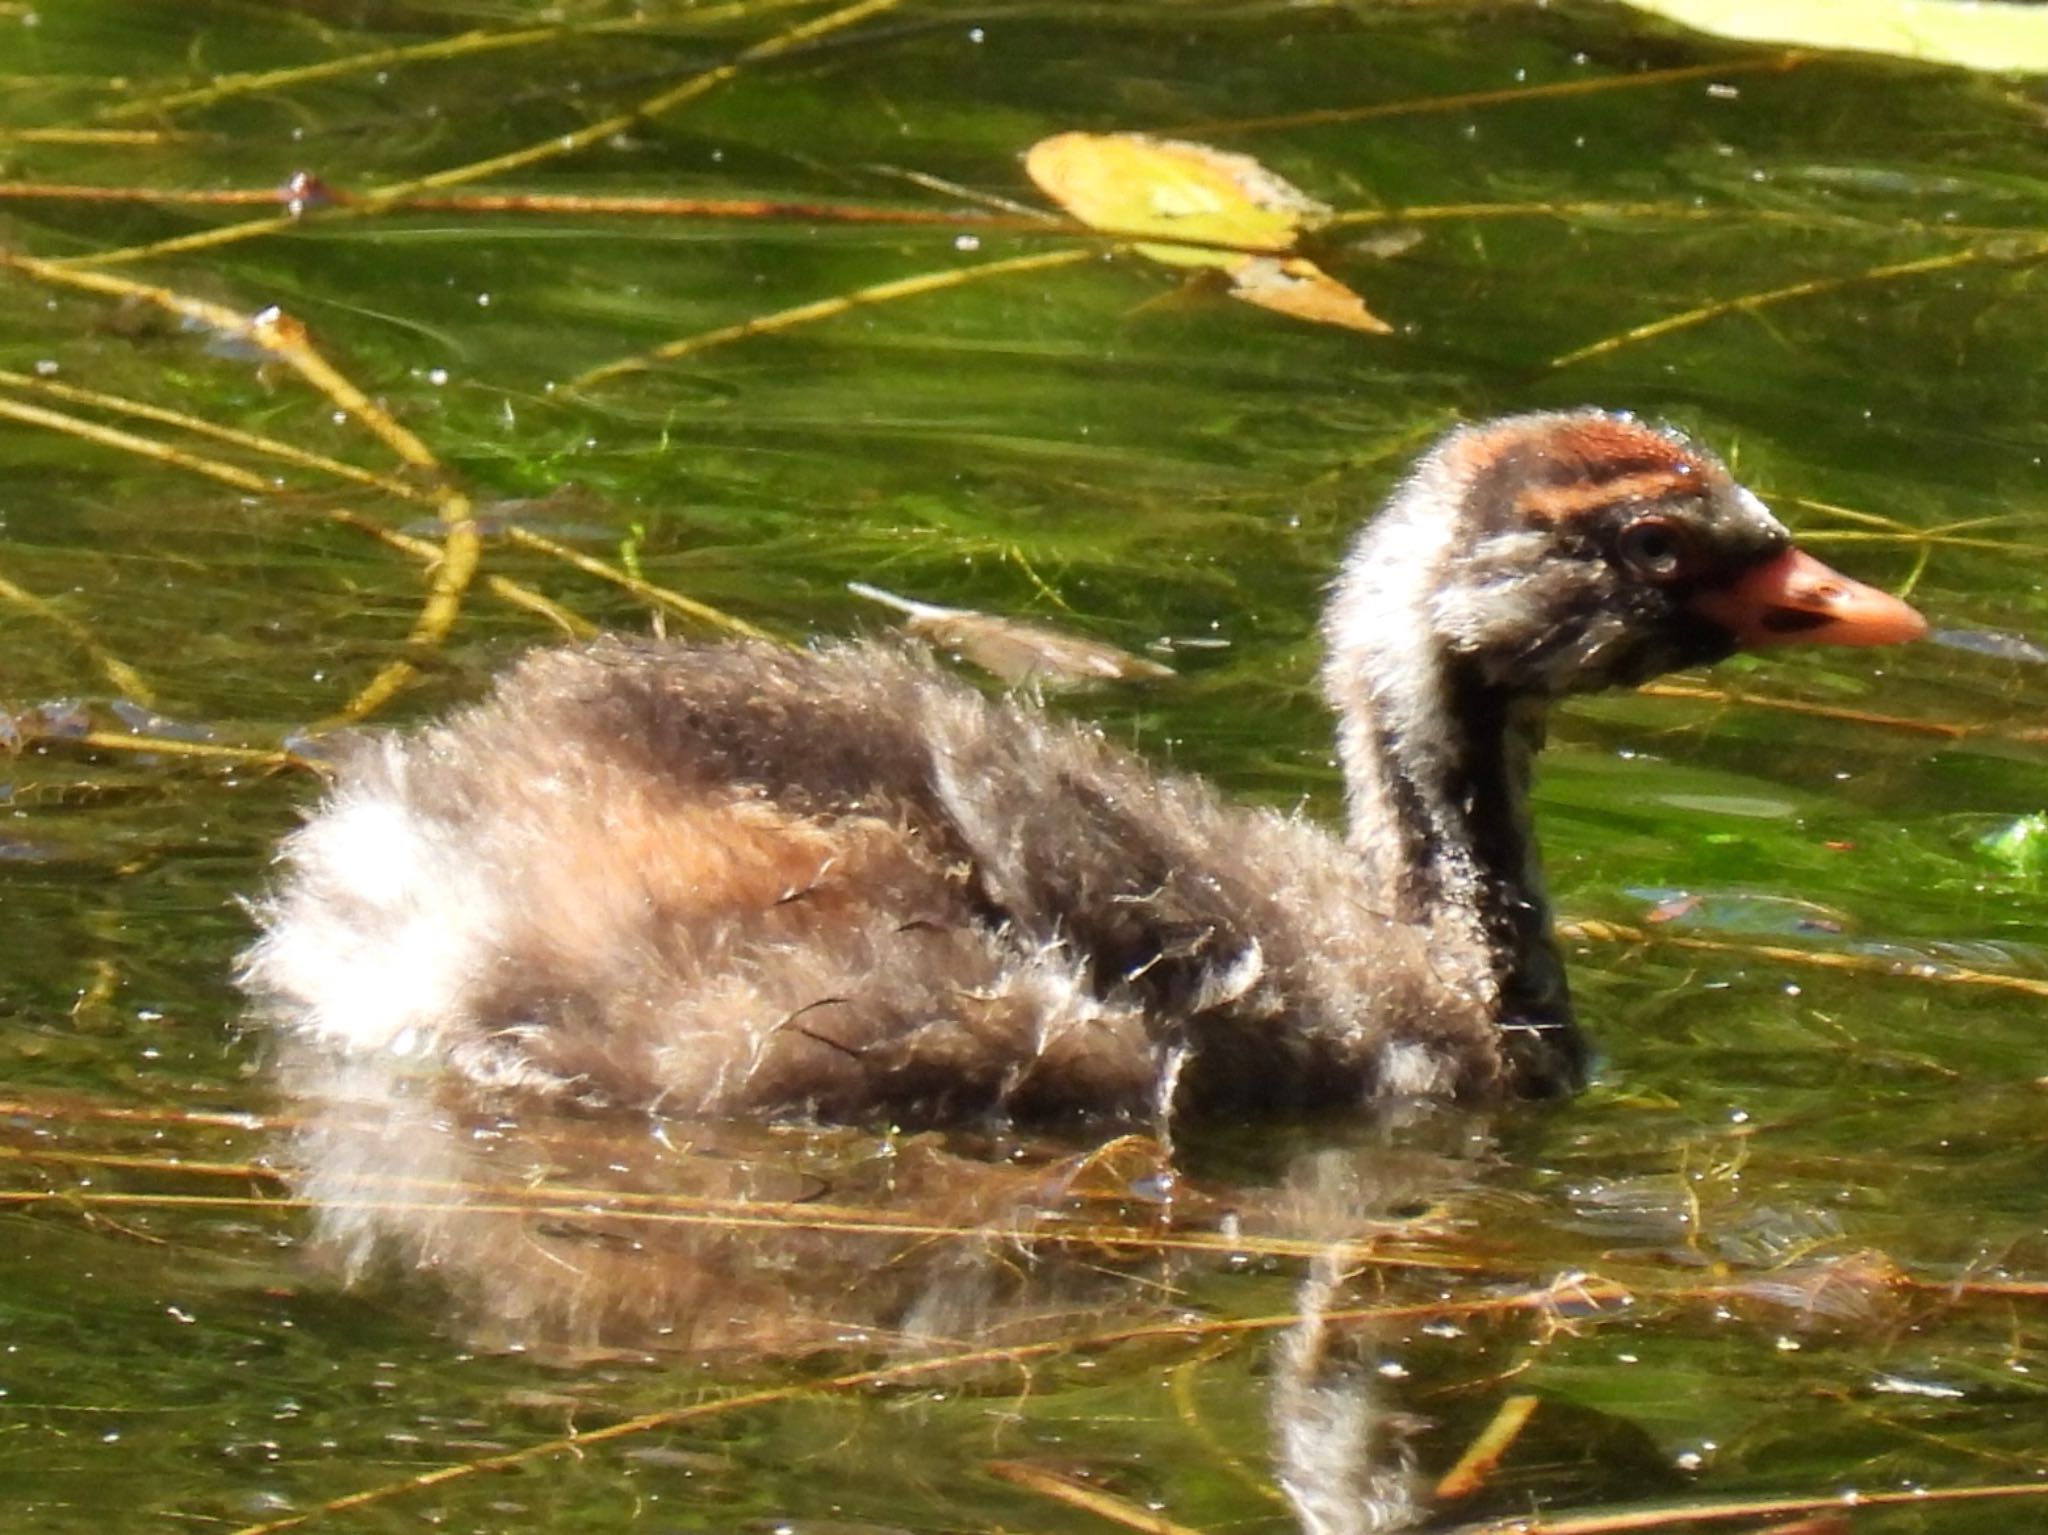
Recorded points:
726,879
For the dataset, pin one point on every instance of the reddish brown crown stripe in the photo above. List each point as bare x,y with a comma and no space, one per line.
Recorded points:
1563,503
1618,440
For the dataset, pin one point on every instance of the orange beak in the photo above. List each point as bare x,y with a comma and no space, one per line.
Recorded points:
1793,599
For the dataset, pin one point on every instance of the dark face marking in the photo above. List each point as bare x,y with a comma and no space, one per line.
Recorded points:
1570,502
1792,621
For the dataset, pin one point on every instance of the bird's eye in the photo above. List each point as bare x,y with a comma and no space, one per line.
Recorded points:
1654,548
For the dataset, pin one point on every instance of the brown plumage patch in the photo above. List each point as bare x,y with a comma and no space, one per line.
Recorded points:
1608,447
1557,468
730,856
1553,504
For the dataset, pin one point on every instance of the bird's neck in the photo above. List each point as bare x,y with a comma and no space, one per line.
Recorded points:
1438,767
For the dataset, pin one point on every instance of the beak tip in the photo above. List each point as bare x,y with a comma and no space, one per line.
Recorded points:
1912,625
1866,616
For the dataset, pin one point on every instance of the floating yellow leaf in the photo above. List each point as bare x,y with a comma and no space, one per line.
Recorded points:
1243,219
1136,184
1980,34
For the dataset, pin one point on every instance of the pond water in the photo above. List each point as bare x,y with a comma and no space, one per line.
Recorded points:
1789,1246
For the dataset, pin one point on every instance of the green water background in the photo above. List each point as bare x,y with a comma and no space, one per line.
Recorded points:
1091,446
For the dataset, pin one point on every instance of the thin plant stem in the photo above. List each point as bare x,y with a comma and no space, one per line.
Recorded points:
826,308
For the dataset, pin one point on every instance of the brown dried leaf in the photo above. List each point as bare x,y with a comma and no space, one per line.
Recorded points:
1017,652
1298,287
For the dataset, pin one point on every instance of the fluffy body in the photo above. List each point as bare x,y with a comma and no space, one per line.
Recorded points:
836,882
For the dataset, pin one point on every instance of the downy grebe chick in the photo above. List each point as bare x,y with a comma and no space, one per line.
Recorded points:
836,883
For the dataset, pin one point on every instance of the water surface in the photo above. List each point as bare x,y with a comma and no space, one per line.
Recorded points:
1790,1243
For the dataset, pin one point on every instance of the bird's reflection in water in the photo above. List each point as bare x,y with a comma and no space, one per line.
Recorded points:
571,1237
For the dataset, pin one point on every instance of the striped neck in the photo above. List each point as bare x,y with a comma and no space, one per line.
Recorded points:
1438,766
